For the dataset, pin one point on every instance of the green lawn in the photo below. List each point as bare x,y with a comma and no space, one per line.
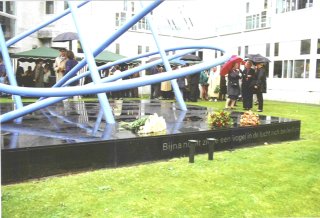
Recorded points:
276,180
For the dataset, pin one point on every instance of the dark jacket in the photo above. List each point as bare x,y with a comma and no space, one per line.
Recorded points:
248,80
261,81
233,83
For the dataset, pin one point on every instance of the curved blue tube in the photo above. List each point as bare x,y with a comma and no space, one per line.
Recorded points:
113,86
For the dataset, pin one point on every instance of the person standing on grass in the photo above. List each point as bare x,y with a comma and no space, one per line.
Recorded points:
233,89
204,84
248,78
214,84
260,85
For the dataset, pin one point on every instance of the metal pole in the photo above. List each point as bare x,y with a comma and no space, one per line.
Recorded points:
192,148
211,147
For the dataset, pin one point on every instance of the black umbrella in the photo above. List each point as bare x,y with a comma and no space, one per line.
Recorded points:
257,58
65,37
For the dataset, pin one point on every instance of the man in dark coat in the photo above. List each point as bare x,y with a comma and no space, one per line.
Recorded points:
260,85
248,79
156,87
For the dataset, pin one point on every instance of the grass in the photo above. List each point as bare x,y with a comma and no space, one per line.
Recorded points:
277,180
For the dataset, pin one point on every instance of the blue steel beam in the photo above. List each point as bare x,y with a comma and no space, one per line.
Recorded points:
107,110
164,57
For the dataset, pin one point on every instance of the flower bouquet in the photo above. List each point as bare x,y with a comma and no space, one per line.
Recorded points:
219,119
147,125
249,118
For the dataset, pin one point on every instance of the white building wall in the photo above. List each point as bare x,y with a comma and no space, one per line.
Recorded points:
287,29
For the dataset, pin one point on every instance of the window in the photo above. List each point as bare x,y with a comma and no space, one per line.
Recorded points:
299,69
125,5
7,7
318,69
305,46
318,47
66,6
248,22
246,50
79,47
117,19
268,49
200,54
215,54
239,51
307,68
265,4
289,68
10,7
132,7
117,48
8,26
49,7
254,21
147,48
123,18
263,19
139,49
277,69
247,7
276,49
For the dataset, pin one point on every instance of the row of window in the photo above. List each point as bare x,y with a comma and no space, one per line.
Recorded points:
291,68
256,21
7,7
304,48
292,5
121,18
294,69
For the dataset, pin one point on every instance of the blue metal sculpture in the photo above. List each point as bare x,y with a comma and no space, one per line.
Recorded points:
100,86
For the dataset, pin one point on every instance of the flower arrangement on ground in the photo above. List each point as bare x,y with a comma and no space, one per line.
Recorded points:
146,125
249,118
219,119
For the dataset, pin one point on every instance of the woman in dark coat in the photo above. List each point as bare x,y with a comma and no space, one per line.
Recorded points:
233,89
71,63
248,79
260,85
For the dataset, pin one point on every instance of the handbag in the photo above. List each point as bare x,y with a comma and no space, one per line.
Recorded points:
234,84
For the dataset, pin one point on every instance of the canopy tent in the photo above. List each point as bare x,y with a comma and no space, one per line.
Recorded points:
43,53
49,54
108,56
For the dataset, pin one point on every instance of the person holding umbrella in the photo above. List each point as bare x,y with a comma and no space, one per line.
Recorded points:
233,89
260,85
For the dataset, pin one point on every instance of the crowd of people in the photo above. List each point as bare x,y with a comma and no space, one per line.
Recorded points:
207,85
40,75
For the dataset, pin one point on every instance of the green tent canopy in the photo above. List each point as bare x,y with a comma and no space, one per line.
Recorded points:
44,53
107,56
49,54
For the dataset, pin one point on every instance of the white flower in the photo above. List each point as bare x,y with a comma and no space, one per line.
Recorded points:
154,123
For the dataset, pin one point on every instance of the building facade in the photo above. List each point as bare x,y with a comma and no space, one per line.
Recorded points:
281,30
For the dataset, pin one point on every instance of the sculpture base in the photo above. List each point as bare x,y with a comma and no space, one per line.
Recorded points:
70,137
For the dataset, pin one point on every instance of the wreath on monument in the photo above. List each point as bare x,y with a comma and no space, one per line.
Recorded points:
152,124
249,118
219,119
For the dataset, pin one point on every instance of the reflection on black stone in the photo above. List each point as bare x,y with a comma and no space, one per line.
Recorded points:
74,122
